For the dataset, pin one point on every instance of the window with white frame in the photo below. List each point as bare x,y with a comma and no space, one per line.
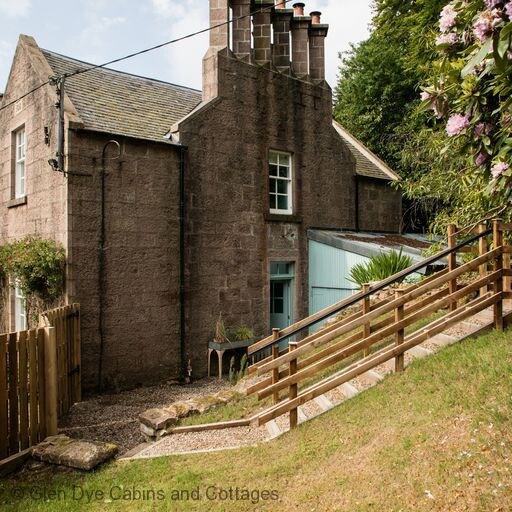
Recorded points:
280,182
20,310
19,170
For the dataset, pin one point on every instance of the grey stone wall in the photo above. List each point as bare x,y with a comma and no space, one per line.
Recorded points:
141,257
379,206
231,237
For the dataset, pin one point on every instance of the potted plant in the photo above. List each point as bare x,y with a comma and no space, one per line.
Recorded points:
220,335
242,333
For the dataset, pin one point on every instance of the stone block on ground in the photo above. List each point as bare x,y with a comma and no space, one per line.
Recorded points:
159,419
73,453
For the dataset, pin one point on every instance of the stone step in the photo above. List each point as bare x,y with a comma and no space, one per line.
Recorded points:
443,340
375,376
419,351
469,327
486,316
273,428
301,415
324,403
349,390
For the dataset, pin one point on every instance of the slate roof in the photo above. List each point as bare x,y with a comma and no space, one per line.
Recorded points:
367,163
124,104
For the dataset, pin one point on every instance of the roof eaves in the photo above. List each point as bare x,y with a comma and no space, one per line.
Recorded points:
372,157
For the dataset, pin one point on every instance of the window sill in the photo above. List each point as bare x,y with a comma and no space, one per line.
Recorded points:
17,202
279,217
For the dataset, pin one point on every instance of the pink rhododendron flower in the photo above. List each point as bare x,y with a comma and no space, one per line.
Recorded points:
447,18
482,158
496,17
498,169
456,124
482,129
508,10
450,38
483,26
491,3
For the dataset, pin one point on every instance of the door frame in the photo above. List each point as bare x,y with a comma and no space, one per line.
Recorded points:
287,276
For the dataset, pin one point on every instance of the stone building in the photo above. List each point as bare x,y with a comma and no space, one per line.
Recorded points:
176,206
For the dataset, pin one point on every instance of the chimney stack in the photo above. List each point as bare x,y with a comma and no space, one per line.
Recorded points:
317,35
261,32
242,29
298,9
300,28
281,19
219,13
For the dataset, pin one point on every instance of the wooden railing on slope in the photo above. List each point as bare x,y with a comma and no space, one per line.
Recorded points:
380,333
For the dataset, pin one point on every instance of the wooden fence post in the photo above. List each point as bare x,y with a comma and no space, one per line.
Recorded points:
366,309
400,333
275,355
506,266
51,377
498,265
4,388
293,389
482,249
452,262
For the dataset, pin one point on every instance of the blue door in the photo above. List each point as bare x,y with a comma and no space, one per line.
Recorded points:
281,295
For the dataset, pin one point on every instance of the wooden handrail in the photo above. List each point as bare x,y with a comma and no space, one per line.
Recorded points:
366,342
382,323
316,356
349,301
378,358
308,346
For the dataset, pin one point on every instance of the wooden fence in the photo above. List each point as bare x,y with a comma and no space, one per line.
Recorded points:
39,379
66,322
376,332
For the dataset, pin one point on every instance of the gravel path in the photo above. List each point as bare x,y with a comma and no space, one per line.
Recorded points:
208,440
113,417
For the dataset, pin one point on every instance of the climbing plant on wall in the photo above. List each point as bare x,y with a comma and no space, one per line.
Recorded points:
37,267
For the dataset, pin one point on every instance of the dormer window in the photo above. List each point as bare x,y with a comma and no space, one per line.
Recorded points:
280,183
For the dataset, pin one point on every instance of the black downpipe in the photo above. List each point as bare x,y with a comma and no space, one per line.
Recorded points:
101,261
60,135
357,202
183,362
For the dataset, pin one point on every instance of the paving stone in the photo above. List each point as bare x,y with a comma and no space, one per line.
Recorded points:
73,453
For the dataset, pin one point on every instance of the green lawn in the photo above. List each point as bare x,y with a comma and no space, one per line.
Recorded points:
437,437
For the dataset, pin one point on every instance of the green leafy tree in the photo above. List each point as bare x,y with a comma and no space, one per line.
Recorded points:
378,88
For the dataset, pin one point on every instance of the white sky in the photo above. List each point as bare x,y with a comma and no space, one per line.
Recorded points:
101,30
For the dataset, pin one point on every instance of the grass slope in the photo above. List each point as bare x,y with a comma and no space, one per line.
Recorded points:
437,437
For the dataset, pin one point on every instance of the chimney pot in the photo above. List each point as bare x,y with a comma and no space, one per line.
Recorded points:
299,9
315,17
280,4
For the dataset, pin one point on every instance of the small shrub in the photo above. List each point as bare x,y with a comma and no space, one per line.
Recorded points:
379,267
234,374
242,333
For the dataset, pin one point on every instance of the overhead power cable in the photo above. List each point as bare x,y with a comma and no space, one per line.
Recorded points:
25,95
152,48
